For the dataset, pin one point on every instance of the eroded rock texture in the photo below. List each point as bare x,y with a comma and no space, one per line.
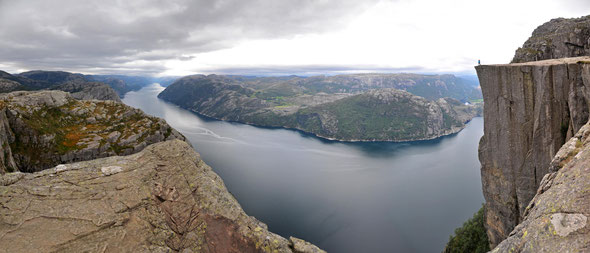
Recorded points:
42,129
558,38
556,220
162,199
531,110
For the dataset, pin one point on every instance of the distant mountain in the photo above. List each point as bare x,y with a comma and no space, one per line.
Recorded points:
76,84
471,80
123,84
350,107
39,79
427,86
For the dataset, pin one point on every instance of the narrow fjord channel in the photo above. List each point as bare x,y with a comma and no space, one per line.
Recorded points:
343,197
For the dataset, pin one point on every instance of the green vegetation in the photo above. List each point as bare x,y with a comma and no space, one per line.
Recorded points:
471,237
48,133
365,117
370,114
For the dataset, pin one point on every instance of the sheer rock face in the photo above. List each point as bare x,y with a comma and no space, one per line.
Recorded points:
558,38
39,130
556,220
531,110
162,199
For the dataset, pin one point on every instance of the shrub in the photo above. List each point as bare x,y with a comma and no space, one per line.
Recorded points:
471,237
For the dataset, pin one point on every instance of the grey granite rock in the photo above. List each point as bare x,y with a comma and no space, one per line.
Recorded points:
39,130
556,220
531,109
162,199
558,38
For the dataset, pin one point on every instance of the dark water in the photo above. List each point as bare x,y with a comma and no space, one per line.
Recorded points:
343,197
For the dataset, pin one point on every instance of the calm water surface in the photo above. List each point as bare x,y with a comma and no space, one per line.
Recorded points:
343,197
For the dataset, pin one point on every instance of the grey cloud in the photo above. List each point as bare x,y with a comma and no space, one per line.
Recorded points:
99,35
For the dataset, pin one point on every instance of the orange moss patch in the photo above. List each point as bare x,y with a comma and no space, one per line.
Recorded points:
71,139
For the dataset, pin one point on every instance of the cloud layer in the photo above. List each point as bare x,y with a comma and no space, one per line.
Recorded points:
179,37
138,36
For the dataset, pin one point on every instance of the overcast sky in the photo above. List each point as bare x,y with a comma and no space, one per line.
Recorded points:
268,37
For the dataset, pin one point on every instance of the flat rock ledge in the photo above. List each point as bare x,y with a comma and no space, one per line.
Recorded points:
162,199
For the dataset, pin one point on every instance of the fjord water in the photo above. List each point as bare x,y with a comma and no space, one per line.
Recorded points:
343,197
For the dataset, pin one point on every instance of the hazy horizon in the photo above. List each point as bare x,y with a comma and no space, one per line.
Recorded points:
268,38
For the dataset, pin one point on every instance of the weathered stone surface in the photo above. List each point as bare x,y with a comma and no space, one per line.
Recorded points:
89,91
301,246
39,130
558,38
164,199
530,110
9,85
556,220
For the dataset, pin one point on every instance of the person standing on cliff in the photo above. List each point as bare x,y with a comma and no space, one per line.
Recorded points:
478,62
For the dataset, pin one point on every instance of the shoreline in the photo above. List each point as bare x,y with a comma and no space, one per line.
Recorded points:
325,138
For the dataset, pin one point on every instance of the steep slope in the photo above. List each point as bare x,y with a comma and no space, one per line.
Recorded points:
556,219
42,129
383,114
531,110
386,114
558,38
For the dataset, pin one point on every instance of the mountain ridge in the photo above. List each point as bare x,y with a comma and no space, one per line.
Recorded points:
290,104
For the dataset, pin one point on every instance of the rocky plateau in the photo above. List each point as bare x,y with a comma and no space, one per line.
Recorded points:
99,176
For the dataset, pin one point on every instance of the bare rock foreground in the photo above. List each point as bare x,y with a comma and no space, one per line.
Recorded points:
162,199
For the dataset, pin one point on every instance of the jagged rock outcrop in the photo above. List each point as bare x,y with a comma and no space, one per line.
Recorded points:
556,220
162,199
531,109
558,38
42,129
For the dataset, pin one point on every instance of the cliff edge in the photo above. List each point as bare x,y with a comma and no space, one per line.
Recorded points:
39,130
162,199
531,109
